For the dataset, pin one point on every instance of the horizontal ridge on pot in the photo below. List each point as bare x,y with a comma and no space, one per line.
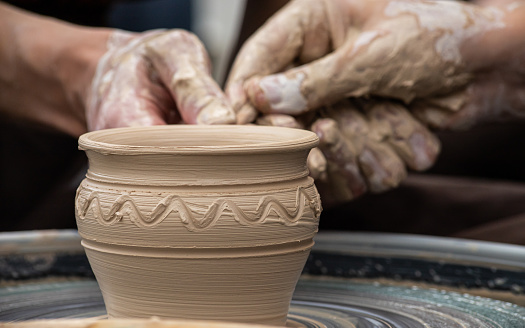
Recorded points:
160,199
163,156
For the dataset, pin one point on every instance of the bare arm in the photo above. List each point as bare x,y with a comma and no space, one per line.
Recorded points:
74,79
45,68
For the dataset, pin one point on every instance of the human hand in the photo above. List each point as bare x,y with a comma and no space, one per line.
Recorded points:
420,53
71,78
153,78
364,146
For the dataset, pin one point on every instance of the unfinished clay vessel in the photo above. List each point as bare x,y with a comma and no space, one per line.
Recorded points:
198,222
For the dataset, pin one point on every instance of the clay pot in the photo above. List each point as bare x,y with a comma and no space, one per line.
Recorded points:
198,222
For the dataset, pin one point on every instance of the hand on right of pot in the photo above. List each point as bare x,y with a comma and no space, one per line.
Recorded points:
364,146
405,65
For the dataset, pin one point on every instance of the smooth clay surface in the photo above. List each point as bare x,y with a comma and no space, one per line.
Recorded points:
198,222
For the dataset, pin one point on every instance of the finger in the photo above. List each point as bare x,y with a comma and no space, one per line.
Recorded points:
452,102
352,123
343,168
317,164
182,64
378,162
440,118
246,114
299,30
393,125
343,73
373,62
438,112
381,166
280,120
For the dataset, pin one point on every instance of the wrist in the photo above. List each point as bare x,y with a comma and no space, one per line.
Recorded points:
501,48
73,53
76,62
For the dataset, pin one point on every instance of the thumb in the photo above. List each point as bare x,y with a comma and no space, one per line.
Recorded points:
324,81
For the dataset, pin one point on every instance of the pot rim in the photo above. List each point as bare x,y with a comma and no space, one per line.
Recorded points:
221,139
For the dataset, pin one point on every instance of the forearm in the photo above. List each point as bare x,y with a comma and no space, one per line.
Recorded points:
46,66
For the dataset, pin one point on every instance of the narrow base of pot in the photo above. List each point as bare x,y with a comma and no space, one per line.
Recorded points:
250,286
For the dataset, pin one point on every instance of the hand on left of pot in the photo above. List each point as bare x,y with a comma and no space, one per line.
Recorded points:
73,79
153,78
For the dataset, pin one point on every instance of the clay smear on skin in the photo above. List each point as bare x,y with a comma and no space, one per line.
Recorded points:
284,93
199,235
457,22
120,45
119,82
364,39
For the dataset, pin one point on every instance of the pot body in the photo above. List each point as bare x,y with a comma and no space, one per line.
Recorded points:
216,232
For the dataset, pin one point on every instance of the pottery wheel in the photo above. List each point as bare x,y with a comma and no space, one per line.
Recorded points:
333,292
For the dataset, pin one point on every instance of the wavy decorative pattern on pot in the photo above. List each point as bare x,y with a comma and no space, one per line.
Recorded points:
124,206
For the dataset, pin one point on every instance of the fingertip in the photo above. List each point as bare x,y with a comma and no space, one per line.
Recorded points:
246,114
256,95
412,141
236,95
282,120
426,148
342,162
216,114
381,166
326,130
317,164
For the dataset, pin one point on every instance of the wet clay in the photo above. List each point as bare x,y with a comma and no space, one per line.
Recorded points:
198,222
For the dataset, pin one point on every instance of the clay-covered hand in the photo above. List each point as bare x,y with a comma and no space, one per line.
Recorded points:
72,78
364,146
451,64
314,53
152,78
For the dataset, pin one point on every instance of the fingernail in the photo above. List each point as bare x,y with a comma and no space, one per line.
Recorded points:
278,93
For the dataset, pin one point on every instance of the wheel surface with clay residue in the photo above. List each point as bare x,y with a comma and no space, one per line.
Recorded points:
59,285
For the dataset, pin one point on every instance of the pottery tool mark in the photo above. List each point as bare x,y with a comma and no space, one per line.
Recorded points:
124,205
